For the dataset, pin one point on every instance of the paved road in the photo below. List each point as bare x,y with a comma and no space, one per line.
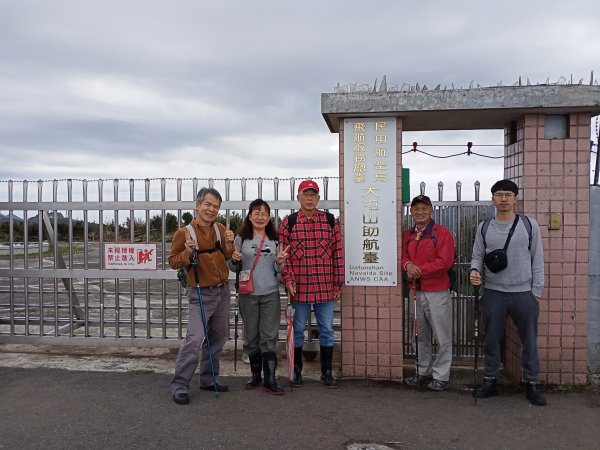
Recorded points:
52,408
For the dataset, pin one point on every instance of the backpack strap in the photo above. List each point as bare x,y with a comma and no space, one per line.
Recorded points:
423,236
293,218
433,231
217,246
528,226
526,222
330,219
484,228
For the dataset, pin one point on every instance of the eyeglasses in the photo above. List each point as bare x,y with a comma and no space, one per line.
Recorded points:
259,214
507,195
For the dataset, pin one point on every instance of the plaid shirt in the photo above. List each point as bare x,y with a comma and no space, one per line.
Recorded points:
315,262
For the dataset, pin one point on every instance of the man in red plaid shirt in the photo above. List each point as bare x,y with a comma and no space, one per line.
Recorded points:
313,274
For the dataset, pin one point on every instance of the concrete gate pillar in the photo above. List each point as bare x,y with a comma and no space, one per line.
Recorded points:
553,177
552,172
372,339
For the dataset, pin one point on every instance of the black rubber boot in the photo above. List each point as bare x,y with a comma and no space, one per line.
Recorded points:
270,382
534,397
297,367
326,368
256,368
487,389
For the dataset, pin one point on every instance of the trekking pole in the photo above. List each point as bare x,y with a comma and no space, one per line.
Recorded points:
416,331
476,335
238,267
194,264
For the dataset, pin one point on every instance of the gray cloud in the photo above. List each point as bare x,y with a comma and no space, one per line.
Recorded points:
101,89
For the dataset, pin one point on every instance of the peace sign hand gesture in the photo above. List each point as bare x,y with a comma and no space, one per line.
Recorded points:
282,255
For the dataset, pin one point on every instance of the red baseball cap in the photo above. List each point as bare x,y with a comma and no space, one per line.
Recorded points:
308,184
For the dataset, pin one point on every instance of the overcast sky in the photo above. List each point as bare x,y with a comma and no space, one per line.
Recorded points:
136,89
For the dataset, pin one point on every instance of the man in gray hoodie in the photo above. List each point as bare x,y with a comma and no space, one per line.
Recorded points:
514,281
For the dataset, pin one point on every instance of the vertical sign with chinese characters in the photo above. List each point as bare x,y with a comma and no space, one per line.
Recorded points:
370,202
130,256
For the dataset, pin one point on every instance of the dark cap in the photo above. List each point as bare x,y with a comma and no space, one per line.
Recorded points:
421,199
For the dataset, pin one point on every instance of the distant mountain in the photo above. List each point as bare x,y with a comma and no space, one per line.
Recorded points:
59,217
6,218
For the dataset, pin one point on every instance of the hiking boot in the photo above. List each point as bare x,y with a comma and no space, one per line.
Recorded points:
270,382
327,367
437,385
297,382
487,389
534,397
256,368
420,380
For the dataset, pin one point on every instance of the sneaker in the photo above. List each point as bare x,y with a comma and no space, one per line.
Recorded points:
437,385
421,380
245,358
487,389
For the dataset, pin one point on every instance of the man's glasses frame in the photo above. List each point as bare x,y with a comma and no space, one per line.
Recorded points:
506,195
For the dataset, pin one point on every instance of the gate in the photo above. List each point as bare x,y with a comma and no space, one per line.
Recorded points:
461,218
53,288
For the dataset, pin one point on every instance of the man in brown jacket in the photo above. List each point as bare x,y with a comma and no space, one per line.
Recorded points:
211,256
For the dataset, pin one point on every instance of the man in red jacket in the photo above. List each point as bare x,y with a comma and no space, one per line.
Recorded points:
427,257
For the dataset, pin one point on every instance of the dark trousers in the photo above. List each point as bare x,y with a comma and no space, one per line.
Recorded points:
523,309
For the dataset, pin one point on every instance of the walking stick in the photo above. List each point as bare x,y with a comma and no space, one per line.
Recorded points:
416,330
238,267
476,334
194,264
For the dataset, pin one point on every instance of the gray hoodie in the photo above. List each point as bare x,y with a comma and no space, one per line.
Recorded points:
525,271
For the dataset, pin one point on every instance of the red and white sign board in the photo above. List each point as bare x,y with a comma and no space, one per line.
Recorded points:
130,256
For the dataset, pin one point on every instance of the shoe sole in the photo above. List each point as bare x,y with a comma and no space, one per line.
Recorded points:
181,402
542,403
269,391
330,386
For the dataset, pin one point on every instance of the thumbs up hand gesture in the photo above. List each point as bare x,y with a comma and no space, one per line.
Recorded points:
229,236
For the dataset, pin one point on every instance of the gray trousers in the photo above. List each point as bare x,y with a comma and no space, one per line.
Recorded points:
434,314
261,315
524,310
216,308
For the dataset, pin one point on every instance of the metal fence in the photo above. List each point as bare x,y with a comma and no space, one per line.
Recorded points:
461,218
54,289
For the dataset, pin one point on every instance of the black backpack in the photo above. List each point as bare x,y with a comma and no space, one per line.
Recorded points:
526,222
293,218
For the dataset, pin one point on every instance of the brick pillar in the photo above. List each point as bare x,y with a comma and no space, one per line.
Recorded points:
553,177
371,324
